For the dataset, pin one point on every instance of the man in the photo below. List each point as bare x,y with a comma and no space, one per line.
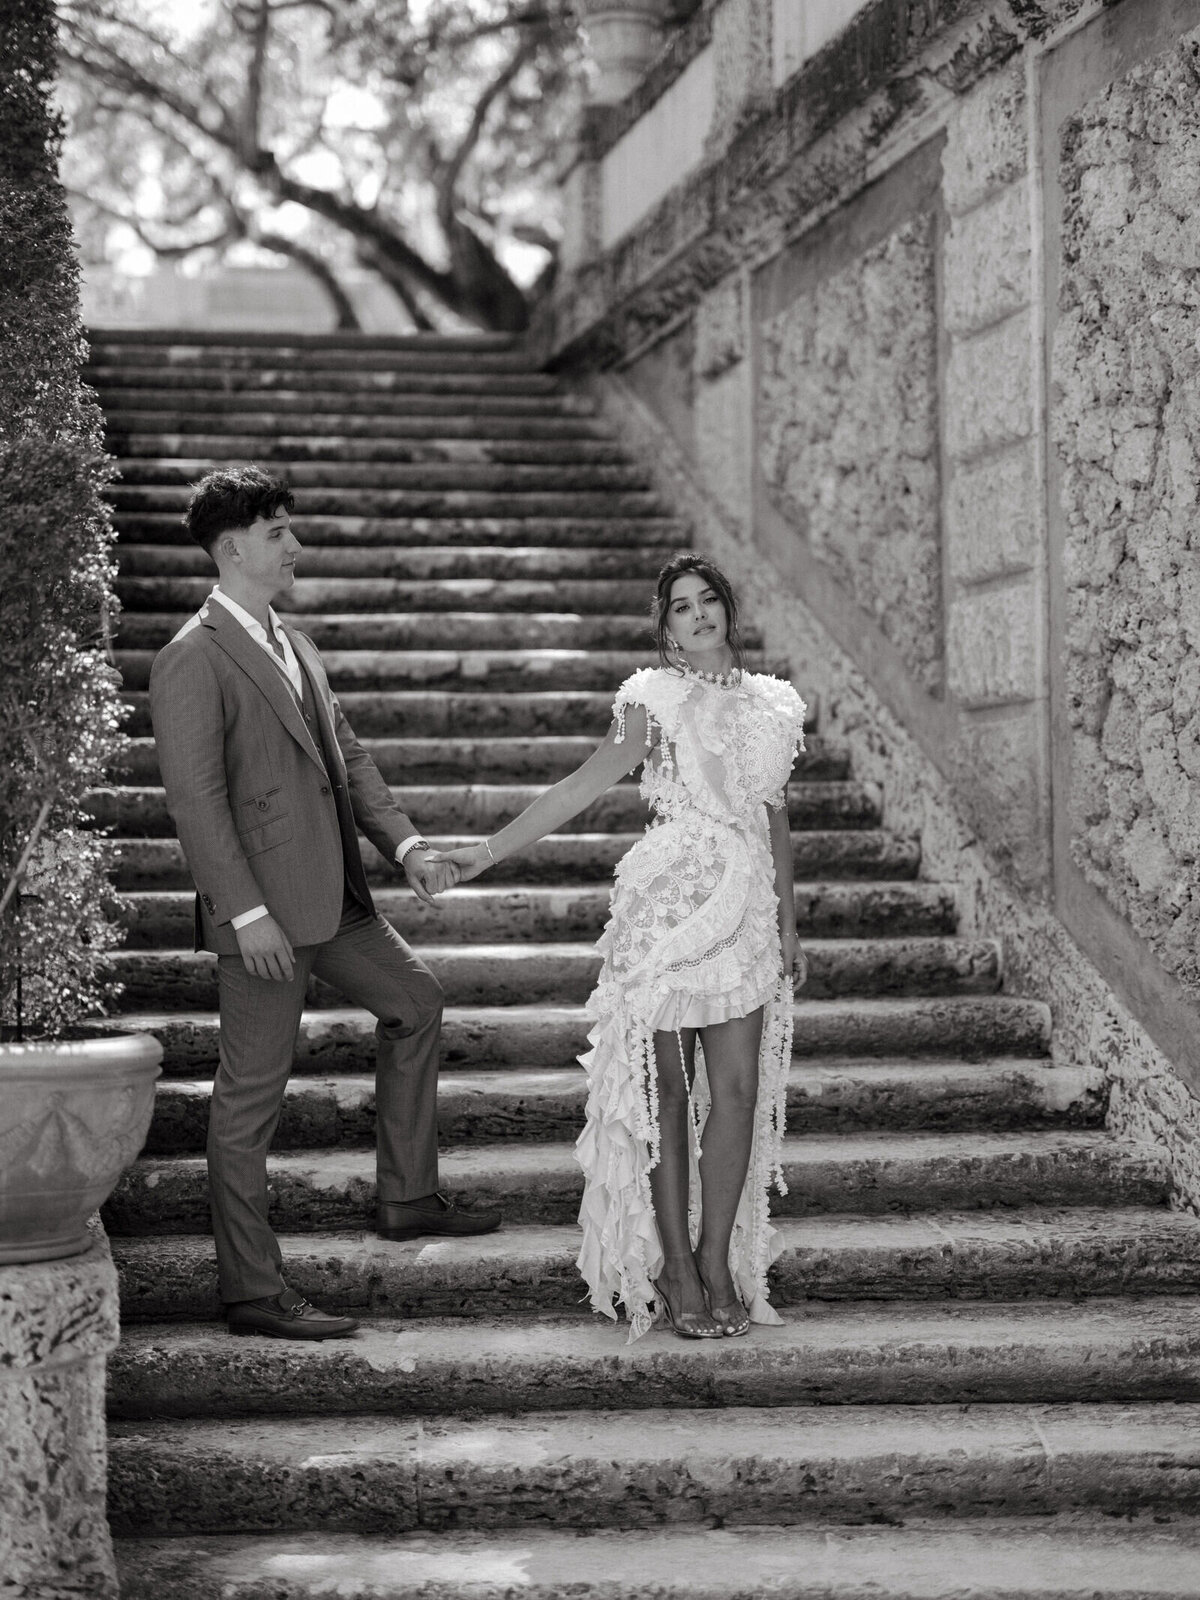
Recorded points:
268,786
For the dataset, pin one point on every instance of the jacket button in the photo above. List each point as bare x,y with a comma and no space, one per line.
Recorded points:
324,788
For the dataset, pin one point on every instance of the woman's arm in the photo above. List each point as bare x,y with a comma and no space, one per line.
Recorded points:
794,961
608,763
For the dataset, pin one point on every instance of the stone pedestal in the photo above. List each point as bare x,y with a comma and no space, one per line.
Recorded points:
58,1321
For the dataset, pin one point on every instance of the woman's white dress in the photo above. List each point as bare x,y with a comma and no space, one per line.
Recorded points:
693,939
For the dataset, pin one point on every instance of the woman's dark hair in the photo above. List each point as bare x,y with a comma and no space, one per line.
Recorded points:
233,497
712,575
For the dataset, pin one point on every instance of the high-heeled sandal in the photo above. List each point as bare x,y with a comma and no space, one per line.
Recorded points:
734,1319
683,1325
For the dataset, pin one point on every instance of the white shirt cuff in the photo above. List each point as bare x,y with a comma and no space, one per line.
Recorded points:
247,917
406,845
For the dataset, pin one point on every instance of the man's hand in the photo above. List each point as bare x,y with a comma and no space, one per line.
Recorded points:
427,876
265,949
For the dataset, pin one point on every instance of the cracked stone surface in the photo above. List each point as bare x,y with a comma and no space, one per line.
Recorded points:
856,358
1127,361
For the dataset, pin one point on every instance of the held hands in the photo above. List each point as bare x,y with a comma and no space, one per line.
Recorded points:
468,862
429,873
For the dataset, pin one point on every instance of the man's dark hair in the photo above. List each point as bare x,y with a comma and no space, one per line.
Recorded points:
233,497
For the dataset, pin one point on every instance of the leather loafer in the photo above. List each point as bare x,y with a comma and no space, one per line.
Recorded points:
409,1219
287,1316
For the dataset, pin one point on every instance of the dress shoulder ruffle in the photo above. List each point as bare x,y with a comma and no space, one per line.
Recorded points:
659,692
783,701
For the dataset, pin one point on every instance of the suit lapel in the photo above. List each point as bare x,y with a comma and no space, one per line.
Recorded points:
252,658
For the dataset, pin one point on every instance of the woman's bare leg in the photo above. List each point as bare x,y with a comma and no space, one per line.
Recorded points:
731,1059
669,1179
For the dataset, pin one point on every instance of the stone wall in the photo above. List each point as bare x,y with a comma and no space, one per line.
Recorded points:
851,360
1127,424
920,333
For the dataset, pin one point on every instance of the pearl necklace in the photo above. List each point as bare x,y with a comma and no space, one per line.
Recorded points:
722,680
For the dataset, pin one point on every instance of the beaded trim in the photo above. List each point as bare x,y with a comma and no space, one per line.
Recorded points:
723,680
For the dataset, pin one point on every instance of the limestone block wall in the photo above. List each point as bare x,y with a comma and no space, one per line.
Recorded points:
854,359
1127,427
922,331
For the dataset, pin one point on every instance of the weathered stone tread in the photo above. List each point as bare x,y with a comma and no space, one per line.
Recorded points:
642,1468
487,1107
1001,1255
861,1172
340,1039
824,1354
477,974
1069,1557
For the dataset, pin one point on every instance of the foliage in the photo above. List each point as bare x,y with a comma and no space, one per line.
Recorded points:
416,137
59,709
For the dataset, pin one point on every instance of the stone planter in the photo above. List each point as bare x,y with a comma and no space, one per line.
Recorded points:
625,36
73,1115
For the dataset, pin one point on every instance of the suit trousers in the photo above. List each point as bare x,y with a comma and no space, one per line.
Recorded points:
369,963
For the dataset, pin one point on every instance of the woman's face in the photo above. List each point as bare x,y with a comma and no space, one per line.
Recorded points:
696,617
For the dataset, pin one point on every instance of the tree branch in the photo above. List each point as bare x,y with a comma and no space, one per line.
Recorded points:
319,268
449,178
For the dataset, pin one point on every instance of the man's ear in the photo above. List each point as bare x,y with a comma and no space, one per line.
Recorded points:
226,548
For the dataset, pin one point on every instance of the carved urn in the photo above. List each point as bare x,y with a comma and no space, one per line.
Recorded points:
624,36
73,1115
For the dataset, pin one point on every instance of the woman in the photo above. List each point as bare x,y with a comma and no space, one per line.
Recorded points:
678,1153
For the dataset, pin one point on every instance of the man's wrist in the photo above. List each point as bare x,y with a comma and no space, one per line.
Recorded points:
415,841
245,918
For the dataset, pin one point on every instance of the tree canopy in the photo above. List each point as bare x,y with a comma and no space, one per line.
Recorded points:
414,137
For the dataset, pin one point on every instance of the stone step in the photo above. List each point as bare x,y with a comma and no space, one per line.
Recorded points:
560,972
574,858
424,630
313,1191
496,762
823,1097
499,563
144,393
542,533
422,477
1067,1557
1066,1252
449,808
486,1037
727,1466
341,339
290,377
375,670
232,356
857,1353
158,440
380,714
217,417
596,596
483,912
405,503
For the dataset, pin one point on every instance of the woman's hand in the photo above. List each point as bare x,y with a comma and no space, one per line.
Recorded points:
793,963
470,860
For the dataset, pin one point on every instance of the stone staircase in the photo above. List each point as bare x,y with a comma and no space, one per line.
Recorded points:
988,1380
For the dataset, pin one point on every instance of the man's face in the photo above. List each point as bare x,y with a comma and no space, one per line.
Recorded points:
266,553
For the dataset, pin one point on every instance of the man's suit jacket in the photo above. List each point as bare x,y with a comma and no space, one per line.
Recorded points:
247,787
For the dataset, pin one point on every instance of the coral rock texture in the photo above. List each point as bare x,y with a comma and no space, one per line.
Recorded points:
1127,364
848,406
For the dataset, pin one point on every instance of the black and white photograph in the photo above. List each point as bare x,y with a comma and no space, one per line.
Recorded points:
599,799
